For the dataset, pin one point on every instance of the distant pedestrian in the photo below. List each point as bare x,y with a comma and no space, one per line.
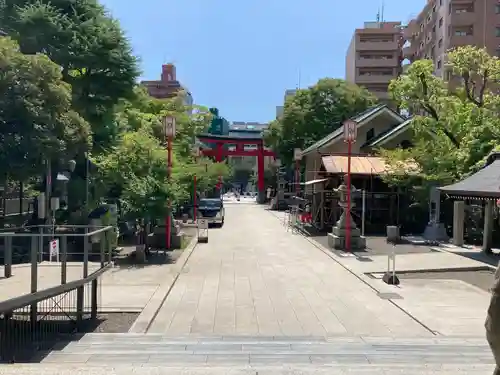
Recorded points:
492,324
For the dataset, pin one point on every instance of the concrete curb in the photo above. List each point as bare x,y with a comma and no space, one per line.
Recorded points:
150,311
444,250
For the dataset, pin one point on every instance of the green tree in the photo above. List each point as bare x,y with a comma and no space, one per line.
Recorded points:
88,45
35,113
135,169
313,113
458,123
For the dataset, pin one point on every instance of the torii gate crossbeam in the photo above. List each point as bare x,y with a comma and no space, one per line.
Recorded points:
219,152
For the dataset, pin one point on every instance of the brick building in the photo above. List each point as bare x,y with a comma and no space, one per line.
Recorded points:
168,86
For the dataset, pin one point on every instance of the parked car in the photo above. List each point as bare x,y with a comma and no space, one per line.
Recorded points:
212,210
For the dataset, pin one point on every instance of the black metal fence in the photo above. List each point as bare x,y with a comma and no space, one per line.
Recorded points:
29,330
30,324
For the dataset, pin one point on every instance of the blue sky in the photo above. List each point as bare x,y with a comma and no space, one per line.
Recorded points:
241,55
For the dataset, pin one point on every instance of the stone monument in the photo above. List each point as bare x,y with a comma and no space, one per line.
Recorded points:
435,231
337,239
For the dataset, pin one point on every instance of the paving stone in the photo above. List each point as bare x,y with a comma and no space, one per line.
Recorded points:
227,359
286,286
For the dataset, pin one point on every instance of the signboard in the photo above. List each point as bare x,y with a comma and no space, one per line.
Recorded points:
350,131
54,249
297,154
169,126
202,230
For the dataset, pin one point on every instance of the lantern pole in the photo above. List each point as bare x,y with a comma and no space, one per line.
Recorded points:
297,156
350,132
169,129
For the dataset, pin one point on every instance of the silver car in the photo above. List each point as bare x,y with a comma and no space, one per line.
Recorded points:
212,210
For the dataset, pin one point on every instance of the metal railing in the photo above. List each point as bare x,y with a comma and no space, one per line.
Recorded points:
30,324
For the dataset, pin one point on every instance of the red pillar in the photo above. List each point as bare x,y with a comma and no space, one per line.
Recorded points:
168,221
218,159
260,169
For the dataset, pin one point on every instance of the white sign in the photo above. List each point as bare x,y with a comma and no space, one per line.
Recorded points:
169,126
54,249
350,131
297,154
202,224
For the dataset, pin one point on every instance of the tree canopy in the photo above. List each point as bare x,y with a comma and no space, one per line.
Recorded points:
89,46
68,91
313,113
456,122
36,117
135,168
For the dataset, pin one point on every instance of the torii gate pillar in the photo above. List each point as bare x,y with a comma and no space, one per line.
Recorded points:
261,198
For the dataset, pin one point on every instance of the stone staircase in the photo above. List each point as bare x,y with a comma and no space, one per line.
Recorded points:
123,354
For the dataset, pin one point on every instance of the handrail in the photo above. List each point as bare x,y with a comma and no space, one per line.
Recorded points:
30,298
88,234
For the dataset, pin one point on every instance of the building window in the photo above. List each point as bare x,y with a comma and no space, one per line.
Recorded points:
497,9
440,43
469,31
439,64
370,134
497,31
441,22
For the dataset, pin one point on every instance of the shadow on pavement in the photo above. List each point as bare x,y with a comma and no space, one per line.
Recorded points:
481,256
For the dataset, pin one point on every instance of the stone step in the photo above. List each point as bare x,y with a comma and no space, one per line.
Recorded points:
255,351
155,369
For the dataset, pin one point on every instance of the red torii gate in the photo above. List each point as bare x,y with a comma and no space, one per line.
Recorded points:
239,143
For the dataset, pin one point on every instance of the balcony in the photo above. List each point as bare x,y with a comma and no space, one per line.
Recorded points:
463,19
380,94
377,63
461,40
374,78
377,46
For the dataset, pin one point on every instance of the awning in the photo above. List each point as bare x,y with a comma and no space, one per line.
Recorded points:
312,182
482,184
360,165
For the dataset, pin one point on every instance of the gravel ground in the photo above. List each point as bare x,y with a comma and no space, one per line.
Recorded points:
482,279
115,322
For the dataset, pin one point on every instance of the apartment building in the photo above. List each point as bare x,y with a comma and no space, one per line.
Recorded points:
374,56
446,24
288,93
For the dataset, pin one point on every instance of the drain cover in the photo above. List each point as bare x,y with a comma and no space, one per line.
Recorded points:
389,296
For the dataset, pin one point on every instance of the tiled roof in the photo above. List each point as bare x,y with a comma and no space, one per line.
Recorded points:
385,135
337,133
245,134
482,184
360,165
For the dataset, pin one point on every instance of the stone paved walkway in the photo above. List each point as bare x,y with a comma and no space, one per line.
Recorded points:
254,278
